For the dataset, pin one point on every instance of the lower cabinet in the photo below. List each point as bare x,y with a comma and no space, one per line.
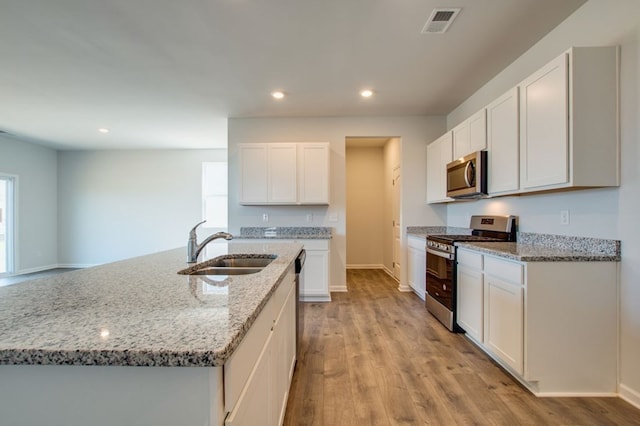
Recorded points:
552,325
417,265
315,282
470,294
258,375
504,311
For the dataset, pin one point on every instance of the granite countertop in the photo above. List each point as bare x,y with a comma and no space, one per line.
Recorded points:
138,312
537,253
286,233
533,247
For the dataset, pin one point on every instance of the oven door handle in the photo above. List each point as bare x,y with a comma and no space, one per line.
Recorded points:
449,256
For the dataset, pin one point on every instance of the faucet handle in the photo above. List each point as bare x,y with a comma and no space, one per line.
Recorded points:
192,233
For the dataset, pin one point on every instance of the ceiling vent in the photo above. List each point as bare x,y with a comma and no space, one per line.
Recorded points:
440,20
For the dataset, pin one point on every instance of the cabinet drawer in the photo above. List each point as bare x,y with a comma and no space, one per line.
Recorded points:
509,271
469,259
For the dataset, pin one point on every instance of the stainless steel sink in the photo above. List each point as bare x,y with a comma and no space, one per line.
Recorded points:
242,262
224,271
231,264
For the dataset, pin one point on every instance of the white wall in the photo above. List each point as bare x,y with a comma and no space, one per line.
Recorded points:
119,204
604,213
365,204
37,208
415,133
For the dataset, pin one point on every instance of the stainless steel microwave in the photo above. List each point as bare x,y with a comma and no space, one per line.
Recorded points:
467,176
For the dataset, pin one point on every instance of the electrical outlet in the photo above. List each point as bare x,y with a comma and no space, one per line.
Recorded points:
310,217
333,217
265,217
564,217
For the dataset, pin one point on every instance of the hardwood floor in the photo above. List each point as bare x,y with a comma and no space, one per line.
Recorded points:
375,356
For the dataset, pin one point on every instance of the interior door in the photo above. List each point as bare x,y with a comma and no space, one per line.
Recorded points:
396,223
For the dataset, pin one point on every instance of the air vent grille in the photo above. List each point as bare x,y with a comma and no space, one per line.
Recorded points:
440,20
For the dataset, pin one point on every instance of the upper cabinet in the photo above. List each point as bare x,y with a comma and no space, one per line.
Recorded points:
470,135
503,144
557,130
313,173
439,153
284,173
569,122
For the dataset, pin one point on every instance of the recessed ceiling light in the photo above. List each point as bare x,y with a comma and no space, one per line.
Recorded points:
367,93
103,130
277,95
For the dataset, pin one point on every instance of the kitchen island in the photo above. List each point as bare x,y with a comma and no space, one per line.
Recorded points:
133,342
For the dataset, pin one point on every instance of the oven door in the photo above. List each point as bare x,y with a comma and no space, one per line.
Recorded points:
440,277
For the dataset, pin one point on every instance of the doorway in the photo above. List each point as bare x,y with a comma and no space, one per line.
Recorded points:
373,204
7,190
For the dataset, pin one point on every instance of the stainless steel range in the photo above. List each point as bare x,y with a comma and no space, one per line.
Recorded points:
441,262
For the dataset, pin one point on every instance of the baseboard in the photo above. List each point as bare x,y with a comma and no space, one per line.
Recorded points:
338,289
77,265
629,395
315,298
363,266
33,270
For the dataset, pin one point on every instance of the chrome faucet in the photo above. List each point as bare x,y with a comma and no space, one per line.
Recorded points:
194,249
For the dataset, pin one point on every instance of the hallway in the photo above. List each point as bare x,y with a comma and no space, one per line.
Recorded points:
376,356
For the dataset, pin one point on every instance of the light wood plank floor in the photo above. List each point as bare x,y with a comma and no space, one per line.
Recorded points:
375,356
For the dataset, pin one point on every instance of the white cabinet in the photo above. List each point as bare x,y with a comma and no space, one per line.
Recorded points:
568,122
547,323
313,173
417,265
503,144
470,135
268,173
470,294
504,311
258,375
315,281
439,154
284,173
256,405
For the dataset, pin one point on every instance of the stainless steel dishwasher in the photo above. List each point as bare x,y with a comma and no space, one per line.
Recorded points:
299,305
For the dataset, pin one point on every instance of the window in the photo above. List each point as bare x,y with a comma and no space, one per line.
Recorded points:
214,194
7,188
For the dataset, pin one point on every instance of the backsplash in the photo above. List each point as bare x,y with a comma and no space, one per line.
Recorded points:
303,232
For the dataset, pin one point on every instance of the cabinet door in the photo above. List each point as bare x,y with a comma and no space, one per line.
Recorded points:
460,136
439,154
417,266
504,318
315,284
255,405
254,175
503,144
313,173
284,354
544,126
283,186
470,302
478,131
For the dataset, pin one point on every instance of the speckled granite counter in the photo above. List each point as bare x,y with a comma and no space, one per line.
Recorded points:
533,253
286,233
423,231
532,247
138,312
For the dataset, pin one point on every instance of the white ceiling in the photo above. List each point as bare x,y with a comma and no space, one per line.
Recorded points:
167,73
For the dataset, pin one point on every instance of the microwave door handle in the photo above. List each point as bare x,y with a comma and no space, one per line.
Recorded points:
468,170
